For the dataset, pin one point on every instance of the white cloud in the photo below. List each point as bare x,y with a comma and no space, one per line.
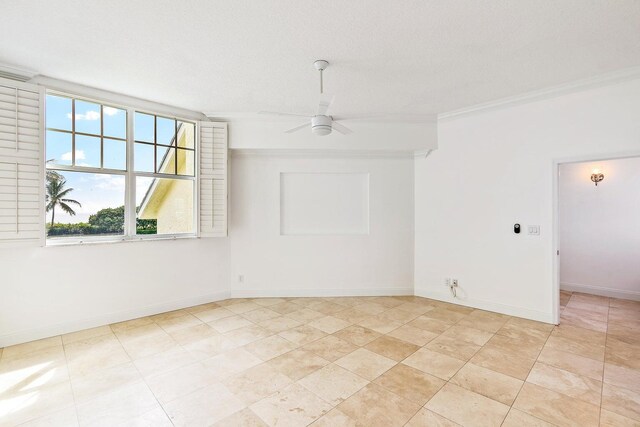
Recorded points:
110,111
108,182
79,155
90,115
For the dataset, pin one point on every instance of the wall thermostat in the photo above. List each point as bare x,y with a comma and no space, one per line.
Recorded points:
516,228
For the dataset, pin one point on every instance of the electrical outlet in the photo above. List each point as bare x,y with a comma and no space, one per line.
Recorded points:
454,282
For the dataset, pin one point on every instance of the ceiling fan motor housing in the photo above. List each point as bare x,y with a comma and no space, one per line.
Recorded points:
321,125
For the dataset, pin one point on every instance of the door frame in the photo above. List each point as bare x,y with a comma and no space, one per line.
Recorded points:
555,297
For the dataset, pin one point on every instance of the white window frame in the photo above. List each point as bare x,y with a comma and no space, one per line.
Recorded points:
129,174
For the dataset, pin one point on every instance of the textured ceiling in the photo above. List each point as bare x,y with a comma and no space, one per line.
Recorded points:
418,57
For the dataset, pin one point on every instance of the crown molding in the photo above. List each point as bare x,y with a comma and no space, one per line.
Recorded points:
314,153
612,78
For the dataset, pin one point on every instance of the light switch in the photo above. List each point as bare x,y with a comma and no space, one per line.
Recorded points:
533,230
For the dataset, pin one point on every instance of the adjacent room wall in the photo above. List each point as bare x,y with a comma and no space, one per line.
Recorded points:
494,168
600,228
341,261
51,290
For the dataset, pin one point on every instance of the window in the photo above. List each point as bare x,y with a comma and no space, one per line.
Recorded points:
113,171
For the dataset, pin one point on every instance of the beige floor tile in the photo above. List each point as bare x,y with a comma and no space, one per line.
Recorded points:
176,323
466,407
256,383
335,418
492,384
213,314
64,418
21,350
524,334
21,407
584,319
230,323
484,320
305,315
118,406
399,315
192,333
121,327
415,307
436,326
246,334
285,307
621,353
357,335
292,406
425,417
383,326
445,315
468,334
453,347
577,333
624,333
365,363
242,307
572,362
329,324
168,315
611,419
297,363
494,359
201,307
165,361
622,377
526,323
95,353
375,406
204,406
581,348
434,363
565,382
171,385
333,384
86,333
330,348
392,348
33,370
585,306
268,302
556,408
517,418
590,299
372,308
149,345
515,346
270,347
302,335
210,346
410,383
145,331
260,315
413,335
327,308
279,324
621,401
243,418
89,386
230,363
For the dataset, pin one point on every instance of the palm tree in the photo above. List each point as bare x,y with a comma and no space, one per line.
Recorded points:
56,194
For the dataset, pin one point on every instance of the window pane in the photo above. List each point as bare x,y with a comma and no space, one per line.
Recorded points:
164,205
186,135
165,131
166,160
84,204
58,148
143,157
186,162
115,154
87,117
58,112
143,130
115,122
87,151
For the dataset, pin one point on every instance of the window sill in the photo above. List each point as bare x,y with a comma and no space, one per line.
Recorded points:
93,241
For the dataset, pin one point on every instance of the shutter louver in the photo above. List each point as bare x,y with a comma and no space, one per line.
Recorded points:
213,179
21,187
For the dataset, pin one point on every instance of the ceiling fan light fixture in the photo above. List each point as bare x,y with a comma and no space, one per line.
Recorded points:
321,125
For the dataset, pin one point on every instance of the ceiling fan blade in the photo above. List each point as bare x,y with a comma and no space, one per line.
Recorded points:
297,128
324,104
275,113
341,128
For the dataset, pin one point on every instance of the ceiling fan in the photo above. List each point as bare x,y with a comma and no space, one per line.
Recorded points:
321,123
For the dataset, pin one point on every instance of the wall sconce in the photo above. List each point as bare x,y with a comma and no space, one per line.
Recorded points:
597,176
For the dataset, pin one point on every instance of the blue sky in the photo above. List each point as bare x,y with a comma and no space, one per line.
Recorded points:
98,191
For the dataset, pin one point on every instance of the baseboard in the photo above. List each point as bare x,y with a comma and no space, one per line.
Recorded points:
601,290
322,292
106,319
510,310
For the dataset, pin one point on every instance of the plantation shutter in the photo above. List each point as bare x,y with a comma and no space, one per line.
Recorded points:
213,179
21,181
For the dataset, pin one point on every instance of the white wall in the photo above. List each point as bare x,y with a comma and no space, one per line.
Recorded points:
380,262
51,290
599,228
495,168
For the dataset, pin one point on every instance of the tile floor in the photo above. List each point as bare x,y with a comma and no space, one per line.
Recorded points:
375,361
